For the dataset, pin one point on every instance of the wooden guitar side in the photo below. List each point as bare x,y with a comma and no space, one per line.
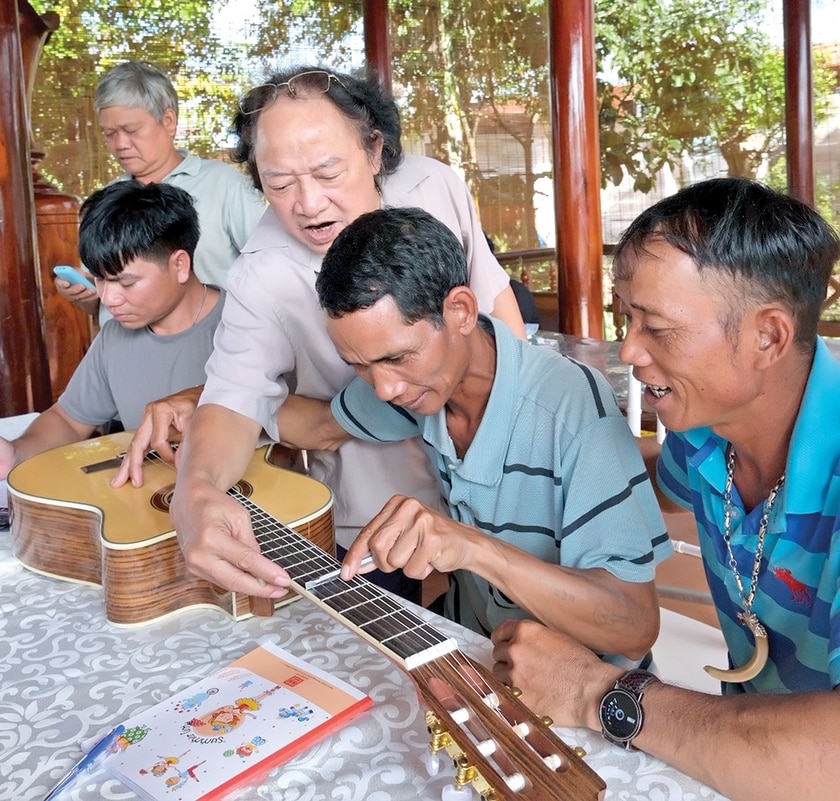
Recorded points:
74,525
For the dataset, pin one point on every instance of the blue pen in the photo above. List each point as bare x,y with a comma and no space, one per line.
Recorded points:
89,761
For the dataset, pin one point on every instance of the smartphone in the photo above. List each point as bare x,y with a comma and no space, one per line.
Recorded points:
72,275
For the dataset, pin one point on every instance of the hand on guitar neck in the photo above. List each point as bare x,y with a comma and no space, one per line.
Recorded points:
164,422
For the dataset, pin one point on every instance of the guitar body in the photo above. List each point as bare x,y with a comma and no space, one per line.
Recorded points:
73,525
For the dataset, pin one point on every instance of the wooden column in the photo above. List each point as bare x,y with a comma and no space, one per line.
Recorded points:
377,42
67,330
24,371
577,169
799,100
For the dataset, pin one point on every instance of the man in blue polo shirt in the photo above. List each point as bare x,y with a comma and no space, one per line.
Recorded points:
551,513
723,284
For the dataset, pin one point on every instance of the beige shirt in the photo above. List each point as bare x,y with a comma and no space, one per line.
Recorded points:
273,332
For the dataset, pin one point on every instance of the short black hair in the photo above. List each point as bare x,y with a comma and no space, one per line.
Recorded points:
773,247
128,220
364,103
402,252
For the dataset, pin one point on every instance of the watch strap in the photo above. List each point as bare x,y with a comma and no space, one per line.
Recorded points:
635,681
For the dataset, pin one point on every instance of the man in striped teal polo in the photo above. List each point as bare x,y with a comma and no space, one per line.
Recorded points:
551,512
723,284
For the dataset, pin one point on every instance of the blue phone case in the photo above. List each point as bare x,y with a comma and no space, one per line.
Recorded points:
72,275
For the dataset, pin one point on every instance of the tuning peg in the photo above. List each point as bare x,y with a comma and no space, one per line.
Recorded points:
453,793
432,762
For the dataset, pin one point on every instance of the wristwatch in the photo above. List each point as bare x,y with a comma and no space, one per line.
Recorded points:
621,712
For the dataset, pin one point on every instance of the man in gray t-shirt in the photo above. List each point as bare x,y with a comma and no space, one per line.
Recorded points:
138,241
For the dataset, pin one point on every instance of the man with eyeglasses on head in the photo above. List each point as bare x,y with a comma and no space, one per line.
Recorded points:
137,107
324,148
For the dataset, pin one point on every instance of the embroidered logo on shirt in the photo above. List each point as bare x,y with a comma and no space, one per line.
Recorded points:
799,593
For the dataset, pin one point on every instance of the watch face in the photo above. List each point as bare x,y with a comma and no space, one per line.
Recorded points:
621,715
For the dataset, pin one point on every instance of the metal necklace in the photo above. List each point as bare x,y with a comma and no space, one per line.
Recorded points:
200,307
747,617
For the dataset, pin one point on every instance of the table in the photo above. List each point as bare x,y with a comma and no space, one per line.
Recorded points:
66,674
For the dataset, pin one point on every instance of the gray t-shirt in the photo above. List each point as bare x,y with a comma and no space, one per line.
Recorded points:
124,369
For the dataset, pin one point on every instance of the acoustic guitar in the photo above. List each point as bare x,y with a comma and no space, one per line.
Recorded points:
498,746
68,522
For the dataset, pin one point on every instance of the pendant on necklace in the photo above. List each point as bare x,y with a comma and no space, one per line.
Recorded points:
756,662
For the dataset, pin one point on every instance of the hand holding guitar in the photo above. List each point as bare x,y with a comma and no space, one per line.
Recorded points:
408,534
526,652
214,531
164,422
218,543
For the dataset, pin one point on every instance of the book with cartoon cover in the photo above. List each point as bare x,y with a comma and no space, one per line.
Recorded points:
234,725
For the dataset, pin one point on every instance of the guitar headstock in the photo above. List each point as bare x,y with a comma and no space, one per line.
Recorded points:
498,745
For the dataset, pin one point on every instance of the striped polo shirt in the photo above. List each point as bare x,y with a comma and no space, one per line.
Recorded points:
553,469
797,598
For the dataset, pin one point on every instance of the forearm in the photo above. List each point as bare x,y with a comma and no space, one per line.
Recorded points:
51,429
604,613
746,746
218,447
309,423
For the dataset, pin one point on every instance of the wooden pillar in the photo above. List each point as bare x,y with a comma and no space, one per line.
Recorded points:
377,42
67,329
577,169
24,371
799,100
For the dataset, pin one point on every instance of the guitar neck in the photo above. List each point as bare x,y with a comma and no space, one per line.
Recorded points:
357,603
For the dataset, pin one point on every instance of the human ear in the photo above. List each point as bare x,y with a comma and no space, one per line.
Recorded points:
461,307
775,330
179,260
374,149
169,121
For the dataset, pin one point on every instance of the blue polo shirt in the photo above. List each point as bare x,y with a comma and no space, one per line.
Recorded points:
797,597
553,469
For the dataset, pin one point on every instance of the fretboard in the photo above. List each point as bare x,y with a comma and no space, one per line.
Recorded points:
357,603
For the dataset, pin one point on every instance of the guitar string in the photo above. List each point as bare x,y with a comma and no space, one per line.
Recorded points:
272,527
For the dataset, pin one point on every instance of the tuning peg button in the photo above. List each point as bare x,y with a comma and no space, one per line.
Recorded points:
433,762
453,793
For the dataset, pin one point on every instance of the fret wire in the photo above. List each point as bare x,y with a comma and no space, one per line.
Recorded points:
423,626
456,659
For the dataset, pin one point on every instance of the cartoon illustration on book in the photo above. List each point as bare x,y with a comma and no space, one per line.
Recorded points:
163,765
180,778
200,743
195,701
246,749
129,737
297,711
225,719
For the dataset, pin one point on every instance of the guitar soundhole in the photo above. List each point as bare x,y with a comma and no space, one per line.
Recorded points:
162,499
